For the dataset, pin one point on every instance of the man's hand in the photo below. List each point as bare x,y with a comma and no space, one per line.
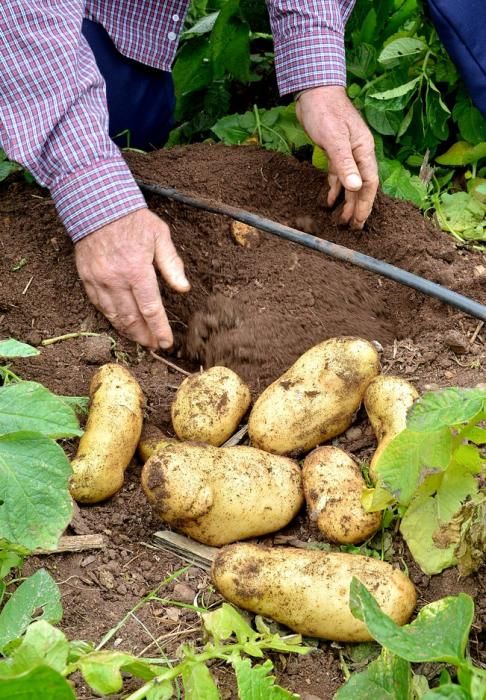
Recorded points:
116,265
332,122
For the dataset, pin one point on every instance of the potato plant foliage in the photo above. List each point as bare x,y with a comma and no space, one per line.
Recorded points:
431,470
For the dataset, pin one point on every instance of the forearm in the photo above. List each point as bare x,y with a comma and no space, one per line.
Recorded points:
309,42
53,114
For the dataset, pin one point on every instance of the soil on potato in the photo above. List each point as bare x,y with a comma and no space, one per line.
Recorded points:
256,310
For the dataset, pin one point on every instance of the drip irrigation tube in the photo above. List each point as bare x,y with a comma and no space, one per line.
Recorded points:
334,250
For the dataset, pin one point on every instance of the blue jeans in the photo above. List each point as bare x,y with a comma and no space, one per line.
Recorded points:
461,25
141,99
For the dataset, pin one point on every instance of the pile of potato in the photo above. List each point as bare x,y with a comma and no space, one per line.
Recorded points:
220,495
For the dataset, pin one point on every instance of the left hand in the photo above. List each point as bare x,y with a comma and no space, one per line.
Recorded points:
331,121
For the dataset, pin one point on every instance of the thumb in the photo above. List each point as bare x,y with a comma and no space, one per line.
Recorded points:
344,165
170,264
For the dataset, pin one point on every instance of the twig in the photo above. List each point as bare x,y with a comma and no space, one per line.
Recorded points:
77,543
26,288
70,336
169,364
476,332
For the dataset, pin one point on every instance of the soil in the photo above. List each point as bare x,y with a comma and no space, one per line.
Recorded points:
255,309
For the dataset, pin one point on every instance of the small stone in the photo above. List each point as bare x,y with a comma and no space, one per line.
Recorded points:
121,589
305,223
431,387
87,560
96,350
480,271
106,579
449,375
455,341
353,433
481,386
244,235
183,593
309,696
173,614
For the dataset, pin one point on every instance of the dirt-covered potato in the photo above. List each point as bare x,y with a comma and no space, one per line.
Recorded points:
218,495
152,439
308,590
111,436
209,406
387,400
316,399
333,484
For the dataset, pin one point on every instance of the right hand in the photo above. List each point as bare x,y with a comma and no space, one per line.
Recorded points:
117,265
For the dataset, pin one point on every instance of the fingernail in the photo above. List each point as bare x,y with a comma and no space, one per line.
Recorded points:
165,344
353,182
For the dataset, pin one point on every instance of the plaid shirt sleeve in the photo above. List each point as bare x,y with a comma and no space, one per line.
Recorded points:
54,117
309,42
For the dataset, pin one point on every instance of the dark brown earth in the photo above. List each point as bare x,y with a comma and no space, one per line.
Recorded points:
255,309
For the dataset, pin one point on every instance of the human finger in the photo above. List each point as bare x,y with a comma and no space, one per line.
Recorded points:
121,309
334,189
346,212
149,302
367,194
343,163
170,264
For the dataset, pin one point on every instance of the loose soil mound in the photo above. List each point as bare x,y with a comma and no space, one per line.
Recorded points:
254,309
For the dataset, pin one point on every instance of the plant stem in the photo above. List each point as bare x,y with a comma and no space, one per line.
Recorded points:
258,124
70,336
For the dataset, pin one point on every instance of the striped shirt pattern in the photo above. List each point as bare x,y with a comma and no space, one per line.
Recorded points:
53,111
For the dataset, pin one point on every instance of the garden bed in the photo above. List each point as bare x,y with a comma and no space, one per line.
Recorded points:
254,309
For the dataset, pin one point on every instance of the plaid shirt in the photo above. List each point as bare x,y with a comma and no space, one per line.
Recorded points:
53,113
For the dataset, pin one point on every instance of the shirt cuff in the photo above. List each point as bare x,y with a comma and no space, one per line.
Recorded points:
91,198
310,60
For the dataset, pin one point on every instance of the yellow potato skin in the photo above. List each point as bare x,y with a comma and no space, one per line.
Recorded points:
309,591
316,399
111,435
209,406
333,484
152,440
387,400
221,495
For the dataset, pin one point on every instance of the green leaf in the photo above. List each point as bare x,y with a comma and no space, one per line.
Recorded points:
235,128
42,645
456,485
409,458
13,348
193,69
29,406
361,62
320,159
384,122
436,112
8,560
102,670
35,505
386,678
399,91
439,632
41,682
7,168
476,435
418,527
255,683
39,591
406,46
397,181
463,214
198,682
226,622
230,44
472,124
202,26
445,407
462,153
447,692
160,690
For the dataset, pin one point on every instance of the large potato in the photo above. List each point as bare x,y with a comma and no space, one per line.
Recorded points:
387,401
220,495
333,485
316,399
152,440
309,591
209,406
111,436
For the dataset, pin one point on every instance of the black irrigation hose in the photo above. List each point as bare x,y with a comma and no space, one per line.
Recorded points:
469,306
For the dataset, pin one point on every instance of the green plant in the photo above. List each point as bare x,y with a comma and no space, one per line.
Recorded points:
438,634
431,471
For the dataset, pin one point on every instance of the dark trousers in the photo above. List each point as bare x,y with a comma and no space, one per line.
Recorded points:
140,98
461,25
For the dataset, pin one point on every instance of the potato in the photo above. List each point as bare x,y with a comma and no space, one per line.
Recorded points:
308,590
152,440
209,406
387,400
218,495
333,484
111,436
316,399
